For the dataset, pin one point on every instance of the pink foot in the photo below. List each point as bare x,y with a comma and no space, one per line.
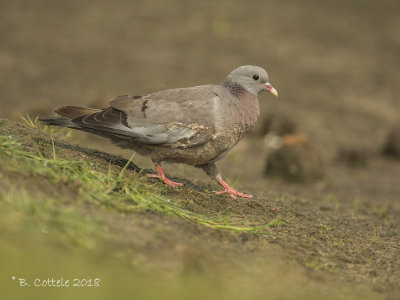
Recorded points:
231,191
164,178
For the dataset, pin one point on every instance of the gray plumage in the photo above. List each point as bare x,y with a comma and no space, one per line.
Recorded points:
195,126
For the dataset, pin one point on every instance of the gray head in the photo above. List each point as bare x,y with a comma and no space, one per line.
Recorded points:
252,78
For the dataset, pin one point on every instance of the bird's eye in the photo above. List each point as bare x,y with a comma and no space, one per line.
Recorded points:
256,76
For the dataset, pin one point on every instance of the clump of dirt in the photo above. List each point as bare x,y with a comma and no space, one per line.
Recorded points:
392,144
353,157
279,124
295,160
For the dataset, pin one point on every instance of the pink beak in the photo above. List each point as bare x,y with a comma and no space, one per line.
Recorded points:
271,89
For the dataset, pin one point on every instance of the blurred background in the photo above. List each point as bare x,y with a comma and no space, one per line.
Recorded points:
334,63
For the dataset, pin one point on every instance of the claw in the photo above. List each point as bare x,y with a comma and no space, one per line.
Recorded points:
164,178
231,191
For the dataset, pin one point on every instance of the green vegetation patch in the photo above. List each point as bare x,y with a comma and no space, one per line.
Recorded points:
112,188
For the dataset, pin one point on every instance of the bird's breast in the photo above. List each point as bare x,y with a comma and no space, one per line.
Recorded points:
241,115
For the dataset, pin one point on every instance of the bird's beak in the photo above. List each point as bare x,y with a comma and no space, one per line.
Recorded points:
271,89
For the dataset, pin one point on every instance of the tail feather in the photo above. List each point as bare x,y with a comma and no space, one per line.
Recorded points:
67,114
71,112
59,121
70,117
65,122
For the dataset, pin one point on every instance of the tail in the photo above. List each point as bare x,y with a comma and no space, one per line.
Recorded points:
68,113
59,121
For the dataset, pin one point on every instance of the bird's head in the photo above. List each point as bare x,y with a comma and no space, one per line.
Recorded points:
252,78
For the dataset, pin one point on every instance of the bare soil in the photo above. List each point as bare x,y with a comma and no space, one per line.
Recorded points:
334,236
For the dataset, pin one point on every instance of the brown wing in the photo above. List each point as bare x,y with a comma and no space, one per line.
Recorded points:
174,118
174,134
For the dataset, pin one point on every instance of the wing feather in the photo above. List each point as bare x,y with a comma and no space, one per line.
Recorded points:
158,119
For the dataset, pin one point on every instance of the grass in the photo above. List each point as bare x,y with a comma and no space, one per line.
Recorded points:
30,213
374,238
115,189
278,221
53,131
325,227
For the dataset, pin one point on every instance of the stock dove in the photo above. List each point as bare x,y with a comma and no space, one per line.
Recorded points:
195,126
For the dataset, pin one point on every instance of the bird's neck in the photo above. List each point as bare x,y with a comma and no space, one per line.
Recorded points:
248,109
234,88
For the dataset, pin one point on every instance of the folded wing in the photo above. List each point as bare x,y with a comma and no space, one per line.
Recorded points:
171,118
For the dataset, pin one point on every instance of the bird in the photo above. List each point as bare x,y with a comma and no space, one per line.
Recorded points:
196,125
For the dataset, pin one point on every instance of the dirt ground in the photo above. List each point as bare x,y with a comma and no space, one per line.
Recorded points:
321,244
335,66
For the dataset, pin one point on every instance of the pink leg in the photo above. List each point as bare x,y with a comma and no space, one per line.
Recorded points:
231,191
164,178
